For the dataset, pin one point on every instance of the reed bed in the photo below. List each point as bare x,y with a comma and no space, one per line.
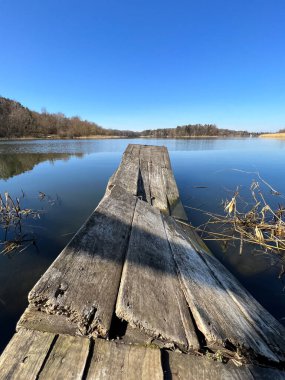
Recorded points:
257,223
12,216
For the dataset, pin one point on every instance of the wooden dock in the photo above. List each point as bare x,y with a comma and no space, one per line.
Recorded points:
136,294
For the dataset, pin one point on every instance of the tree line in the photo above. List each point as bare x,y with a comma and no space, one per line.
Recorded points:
194,130
18,121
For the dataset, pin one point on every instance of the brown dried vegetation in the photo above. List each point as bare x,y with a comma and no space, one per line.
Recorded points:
11,218
259,224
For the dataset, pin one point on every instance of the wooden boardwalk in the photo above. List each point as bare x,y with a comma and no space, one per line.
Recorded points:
137,294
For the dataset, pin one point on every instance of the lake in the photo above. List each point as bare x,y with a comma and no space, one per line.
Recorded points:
72,176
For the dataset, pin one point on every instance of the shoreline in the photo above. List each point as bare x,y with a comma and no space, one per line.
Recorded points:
99,137
102,137
280,136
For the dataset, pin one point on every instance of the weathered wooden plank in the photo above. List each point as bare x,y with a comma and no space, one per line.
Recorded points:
67,359
264,323
124,362
149,296
83,281
159,156
195,240
189,367
167,163
143,183
23,357
157,188
151,163
174,203
158,178
146,153
127,174
221,320
136,336
35,319
132,148
154,181
153,154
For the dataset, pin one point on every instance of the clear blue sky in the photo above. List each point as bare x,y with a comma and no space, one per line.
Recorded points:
136,64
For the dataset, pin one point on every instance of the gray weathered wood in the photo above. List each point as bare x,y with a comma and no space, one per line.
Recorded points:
160,185
67,359
268,328
83,281
143,184
146,171
166,158
152,161
216,314
157,188
23,357
154,154
35,319
149,296
146,153
196,241
266,325
188,367
128,172
136,336
115,361
174,203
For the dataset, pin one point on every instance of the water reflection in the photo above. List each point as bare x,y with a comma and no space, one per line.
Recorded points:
119,145
14,164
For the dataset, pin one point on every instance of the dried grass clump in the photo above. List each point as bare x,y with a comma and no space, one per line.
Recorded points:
259,224
11,218
11,212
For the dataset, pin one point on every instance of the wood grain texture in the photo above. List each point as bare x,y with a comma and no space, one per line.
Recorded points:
67,359
154,154
195,240
267,327
23,357
176,208
136,336
127,174
83,281
115,361
157,188
143,183
216,314
146,171
188,367
35,319
150,297
262,321
146,153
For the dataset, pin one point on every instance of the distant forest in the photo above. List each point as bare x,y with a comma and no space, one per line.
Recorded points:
195,130
17,121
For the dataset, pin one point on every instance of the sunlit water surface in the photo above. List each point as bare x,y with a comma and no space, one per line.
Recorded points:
73,174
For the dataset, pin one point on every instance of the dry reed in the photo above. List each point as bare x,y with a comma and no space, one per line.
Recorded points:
11,219
259,224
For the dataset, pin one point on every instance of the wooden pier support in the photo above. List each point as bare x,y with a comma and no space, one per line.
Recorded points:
137,294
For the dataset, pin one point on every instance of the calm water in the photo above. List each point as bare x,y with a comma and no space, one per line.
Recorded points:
74,175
